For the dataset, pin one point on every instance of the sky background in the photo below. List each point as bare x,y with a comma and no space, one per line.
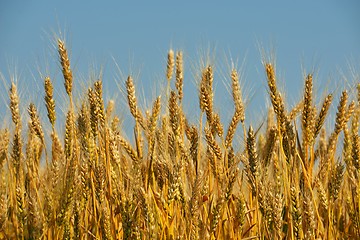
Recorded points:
322,37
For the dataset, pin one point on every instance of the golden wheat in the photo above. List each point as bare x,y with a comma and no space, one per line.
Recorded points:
179,178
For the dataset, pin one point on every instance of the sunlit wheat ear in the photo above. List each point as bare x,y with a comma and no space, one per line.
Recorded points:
132,102
232,128
49,101
347,146
252,153
217,126
20,206
296,212
100,102
83,125
209,77
275,97
94,111
215,215
322,114
17,155
268,150
174,114
309,217
336,178
278,203
57,152
240,214
16,162
206,98
179,71
202,89
129,149
76,214
14,106
4,145
213,144
65,64
340,115
307,113
263,198
230,184
239,115
339,121
237,96
270,73
105,222
170,65
99,173
35,122
194,146
154,116
349,112
69,136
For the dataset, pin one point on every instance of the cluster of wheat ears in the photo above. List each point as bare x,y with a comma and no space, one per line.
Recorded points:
181,178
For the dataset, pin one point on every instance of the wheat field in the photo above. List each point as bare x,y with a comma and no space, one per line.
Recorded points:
181,178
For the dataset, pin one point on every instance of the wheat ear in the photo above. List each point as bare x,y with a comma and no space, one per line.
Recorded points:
49,101
65,64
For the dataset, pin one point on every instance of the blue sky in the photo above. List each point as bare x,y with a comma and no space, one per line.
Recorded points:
320,36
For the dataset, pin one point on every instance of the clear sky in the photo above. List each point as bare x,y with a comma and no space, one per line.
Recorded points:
320,36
